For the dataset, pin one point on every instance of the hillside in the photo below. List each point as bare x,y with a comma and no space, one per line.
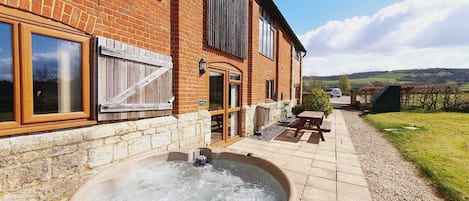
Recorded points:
432,75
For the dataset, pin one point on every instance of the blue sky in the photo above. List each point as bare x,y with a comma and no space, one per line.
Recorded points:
305,15
349,36
6,69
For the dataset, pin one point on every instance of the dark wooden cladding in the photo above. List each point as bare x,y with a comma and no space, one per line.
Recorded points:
132,82
227,26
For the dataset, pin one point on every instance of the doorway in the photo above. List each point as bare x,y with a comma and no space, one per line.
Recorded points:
224,106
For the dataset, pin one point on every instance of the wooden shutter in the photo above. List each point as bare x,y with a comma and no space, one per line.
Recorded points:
132,82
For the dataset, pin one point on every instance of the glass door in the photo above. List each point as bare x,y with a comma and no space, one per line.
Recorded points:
224,106
234,109
217,105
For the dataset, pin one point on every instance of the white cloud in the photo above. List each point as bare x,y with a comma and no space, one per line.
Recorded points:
410,34
71,48
5,61
5,68
45,56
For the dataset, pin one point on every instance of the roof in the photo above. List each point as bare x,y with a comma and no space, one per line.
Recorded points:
273,10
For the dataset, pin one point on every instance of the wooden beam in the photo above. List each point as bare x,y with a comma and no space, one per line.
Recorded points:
134,107
137,86
123,54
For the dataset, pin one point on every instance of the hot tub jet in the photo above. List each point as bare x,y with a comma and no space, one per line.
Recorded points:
201,160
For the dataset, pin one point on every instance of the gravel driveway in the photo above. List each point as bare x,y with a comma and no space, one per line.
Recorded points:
389,176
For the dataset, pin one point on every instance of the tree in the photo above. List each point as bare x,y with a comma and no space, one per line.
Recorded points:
344,83
318,101
311,84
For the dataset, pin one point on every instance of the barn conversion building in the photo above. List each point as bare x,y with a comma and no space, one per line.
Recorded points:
89,83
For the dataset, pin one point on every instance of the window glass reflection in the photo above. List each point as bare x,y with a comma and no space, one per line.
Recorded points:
57,80
217,128
235,77
216,91
233,124
234,95
6,73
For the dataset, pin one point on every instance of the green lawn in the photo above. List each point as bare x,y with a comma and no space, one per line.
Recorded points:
440,148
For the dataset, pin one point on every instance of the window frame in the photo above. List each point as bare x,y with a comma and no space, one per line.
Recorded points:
20,21
236,82
27,76
266,34
16,76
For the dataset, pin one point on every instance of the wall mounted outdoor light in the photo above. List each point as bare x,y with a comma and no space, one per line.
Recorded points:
202,66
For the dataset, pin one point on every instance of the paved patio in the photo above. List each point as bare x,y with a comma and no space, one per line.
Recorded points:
329,170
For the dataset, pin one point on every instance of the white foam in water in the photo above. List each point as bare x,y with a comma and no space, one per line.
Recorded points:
181,181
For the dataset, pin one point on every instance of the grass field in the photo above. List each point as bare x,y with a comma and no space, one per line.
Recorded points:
465,87
422,76
439,148
364,81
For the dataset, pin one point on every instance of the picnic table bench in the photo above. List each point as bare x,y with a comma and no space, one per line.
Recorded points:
311,120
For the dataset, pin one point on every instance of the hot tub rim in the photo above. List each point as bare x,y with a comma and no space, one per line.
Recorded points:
107,173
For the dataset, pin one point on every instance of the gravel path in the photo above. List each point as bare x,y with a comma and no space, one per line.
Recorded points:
389,176
270,132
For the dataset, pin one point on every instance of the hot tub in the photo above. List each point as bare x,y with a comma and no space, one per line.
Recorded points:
173,176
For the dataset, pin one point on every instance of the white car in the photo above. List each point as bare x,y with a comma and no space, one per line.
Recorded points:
334,92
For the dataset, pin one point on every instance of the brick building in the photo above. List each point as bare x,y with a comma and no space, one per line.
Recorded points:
89,83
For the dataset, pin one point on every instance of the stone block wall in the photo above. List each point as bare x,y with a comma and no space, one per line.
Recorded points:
53,165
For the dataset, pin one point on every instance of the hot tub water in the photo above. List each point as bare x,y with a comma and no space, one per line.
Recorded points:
181,181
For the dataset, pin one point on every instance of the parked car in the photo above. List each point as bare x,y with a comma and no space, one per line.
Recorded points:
334,92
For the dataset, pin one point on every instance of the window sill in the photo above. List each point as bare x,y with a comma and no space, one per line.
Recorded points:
51,126
272,59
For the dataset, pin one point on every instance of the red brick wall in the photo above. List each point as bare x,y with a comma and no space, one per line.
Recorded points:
176,29
141,23
189,48
296,76
263,68
284,66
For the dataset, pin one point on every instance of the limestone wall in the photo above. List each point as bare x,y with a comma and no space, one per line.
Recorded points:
53,165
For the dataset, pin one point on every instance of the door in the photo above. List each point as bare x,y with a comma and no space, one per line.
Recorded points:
224,106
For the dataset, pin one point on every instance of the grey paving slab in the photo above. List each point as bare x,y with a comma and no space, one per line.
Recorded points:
297,177
351,179
315,194
322,183
329,170
324,173
349,169
325,165
350,192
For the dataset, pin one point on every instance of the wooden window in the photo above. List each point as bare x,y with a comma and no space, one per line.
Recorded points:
216,101
9,75
234,90
53,72
234,104
269,89
227,26
266,34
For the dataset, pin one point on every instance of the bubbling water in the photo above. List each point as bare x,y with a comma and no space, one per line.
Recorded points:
180,181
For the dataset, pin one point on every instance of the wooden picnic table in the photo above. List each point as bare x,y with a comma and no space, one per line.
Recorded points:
312,119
